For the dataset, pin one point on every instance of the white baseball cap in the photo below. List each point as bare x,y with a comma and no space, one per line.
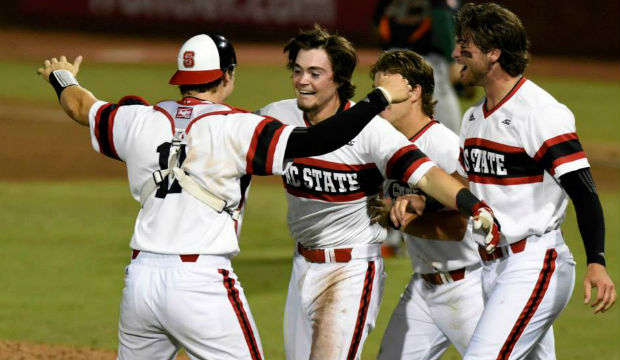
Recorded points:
203,59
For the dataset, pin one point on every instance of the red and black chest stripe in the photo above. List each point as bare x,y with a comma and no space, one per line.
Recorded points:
331,181
489,162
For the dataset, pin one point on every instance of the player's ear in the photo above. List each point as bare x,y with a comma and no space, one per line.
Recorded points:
494,55
416,92
228,77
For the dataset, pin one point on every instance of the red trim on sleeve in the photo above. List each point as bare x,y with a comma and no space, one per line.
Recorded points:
97,119
411,169
272,150
111,133
397,155
249,159
553,141
566,159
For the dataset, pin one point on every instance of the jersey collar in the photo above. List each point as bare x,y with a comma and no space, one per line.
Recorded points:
506,98
191,100
417,135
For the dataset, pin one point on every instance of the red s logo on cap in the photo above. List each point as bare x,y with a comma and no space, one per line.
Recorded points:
188,59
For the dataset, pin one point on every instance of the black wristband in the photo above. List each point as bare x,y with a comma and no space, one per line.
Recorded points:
62,79
465,201
391,224
432,204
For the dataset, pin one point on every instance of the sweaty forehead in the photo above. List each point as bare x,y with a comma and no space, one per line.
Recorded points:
313,59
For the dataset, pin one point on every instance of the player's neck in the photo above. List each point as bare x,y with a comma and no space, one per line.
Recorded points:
214,97
410,125
498,86
315,116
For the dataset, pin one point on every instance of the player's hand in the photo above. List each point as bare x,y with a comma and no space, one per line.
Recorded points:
485,219
59,64
396,85
404,206
379,209
597,277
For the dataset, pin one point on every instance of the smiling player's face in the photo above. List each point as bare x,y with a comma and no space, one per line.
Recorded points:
476,64
313,80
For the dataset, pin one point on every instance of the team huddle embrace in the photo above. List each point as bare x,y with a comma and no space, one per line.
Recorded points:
479,207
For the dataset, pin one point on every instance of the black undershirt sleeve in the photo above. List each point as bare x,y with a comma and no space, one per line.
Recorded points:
580,187
336,131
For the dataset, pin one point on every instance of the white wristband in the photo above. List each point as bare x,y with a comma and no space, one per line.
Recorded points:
61,79
386,94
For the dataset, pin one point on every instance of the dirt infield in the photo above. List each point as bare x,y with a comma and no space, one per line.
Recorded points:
51,147
14,350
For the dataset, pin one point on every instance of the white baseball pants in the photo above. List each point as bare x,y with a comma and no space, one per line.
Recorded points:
331,308
429,318
524,293
200,306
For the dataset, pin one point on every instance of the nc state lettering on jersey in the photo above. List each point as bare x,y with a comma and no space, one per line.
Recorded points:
396,189
483,161
332,183
320,180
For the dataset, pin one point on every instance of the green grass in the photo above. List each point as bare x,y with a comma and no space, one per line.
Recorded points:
64,246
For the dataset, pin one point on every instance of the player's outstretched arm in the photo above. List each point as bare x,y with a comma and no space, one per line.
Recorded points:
452,193
341,128
75,100
579,186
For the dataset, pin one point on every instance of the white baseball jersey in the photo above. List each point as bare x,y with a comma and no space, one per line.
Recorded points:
224,147
513,156
441,145
430,317
327,194
331,307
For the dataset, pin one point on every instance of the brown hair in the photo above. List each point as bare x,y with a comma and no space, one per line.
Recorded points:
210,86
413,68
491,26
340,52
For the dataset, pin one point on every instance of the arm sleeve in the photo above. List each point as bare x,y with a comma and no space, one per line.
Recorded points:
337,130
580,187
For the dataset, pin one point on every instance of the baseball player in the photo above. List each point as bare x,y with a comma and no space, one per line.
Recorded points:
337,277
189,163
443,301
520,151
